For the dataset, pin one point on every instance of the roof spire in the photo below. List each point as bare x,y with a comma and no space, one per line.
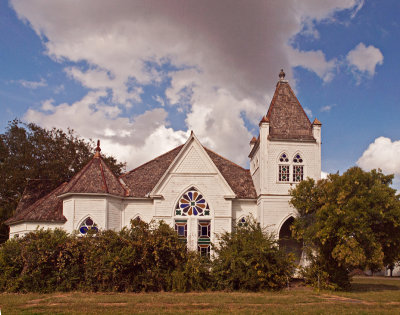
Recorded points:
281,75
97,154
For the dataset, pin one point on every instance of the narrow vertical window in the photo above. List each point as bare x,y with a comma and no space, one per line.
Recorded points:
298,169
284,173
204,237
181,229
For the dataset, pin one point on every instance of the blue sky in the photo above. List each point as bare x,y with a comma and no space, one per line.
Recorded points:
140,75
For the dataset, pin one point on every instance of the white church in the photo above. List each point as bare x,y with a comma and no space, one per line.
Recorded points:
192,188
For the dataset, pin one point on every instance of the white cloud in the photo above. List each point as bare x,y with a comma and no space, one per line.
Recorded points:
313,60
383,153
308,112
32,84
327,108
225,58
364,59
324,175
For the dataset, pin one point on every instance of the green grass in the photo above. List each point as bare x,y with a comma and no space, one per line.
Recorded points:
368,296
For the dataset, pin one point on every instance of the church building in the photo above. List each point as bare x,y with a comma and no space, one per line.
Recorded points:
192,188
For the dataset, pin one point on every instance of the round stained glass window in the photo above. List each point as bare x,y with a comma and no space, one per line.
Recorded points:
88,225
192,203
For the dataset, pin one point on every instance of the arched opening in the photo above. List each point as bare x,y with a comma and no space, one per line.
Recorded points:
287,242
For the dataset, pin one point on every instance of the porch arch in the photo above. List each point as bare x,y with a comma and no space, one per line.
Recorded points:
287,242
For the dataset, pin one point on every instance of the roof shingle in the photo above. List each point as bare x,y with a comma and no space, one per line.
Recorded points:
287,119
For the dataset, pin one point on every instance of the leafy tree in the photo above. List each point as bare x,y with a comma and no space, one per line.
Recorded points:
346,222
249,258
28,151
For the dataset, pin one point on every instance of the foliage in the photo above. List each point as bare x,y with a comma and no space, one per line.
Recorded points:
249,259
347,221
146,257
28,151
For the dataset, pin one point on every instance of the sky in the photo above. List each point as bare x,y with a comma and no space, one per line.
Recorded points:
140,75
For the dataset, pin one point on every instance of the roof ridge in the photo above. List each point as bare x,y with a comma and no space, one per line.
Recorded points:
80,173
103,177
290,88
131,171
115,176
225,158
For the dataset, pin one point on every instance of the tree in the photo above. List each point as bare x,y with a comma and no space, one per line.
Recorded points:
28,151
346,222
249,258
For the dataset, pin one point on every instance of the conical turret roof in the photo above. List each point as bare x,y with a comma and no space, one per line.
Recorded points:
286,116
95,177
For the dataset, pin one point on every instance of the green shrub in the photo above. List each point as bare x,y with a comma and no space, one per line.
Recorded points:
249,259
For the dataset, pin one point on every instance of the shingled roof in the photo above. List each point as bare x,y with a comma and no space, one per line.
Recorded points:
46,209
34,190
142,179
95,177
287,119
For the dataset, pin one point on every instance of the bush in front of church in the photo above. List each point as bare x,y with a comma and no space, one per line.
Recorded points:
145,257
249,258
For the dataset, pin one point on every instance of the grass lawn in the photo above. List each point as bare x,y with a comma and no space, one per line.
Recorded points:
369,295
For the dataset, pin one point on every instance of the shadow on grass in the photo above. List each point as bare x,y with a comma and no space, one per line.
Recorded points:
373,287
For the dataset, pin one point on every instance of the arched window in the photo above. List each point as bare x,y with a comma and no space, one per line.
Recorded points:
193,210
242,222
192,203
138,219
284,170
298,169
88,225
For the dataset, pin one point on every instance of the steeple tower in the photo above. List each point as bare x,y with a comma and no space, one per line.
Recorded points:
287,150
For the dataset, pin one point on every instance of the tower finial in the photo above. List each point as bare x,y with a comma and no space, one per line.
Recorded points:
97,154
282,75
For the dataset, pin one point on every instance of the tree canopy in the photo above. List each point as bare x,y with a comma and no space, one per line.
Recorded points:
346,222
28,151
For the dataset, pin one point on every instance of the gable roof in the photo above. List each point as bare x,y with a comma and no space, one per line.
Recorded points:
237,177
142,179
95,177
286,117
46,209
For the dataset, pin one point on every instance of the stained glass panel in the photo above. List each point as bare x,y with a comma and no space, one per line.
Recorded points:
181,229
297,158
242,222
88,225
284,173
192,203
297,173
284,158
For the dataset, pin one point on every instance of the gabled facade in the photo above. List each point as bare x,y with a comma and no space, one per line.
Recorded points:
192,188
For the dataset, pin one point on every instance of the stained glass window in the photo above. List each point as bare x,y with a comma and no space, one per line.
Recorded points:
283,158
88,225
204,237
283,173
181,229
297,158
242,222
192,203
297,173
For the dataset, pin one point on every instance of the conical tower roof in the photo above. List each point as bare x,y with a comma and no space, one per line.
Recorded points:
287,119
95,177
